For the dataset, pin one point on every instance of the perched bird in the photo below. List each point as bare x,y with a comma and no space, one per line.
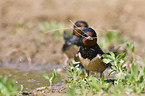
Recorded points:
90,54
73,42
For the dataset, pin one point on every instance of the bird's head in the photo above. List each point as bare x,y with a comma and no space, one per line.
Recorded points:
89,37
79,27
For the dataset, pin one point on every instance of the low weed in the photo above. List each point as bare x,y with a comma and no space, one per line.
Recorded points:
7,88
50,79
126,80
82,85
111,39
129,72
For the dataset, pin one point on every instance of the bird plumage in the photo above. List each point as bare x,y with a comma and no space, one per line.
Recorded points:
72,42
90,54
91,58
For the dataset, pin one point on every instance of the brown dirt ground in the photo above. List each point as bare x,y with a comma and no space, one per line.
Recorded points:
128,17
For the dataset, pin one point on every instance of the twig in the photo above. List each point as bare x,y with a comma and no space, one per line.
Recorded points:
57,30
78,32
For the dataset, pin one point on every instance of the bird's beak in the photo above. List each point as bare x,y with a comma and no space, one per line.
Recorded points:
89,38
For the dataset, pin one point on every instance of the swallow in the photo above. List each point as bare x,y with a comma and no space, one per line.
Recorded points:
90,54
72,43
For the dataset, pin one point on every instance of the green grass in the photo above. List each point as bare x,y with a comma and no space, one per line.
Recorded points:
130,78
7,88
132,82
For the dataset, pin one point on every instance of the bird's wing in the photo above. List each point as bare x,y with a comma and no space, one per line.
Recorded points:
66,36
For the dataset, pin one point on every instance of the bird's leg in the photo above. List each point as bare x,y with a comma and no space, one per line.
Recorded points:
101,74
87,73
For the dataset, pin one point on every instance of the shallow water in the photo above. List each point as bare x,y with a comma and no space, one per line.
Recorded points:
30,76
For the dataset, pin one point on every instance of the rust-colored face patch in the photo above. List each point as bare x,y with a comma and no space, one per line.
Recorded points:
79,29
78,32
89,42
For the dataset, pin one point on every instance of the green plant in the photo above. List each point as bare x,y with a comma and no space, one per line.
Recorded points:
77,84
132,82
73,73
7,88
74,83
129,77
116,61
136,79
51,79
130,46
125,81
110,38
131,51
98,85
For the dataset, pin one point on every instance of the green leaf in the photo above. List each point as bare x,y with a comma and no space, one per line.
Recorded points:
141,73
102,78
134,70
121,56
46,76
114,68
122,75
107,61
110,72
110,84
109,55
69,73
131,47
141,79
112,54
54,75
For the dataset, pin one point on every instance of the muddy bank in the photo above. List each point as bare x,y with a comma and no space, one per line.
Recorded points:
31,77
22,38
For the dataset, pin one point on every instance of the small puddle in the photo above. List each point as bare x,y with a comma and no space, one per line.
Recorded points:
31,77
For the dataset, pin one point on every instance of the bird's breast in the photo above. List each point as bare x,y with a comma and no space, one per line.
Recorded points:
94,64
